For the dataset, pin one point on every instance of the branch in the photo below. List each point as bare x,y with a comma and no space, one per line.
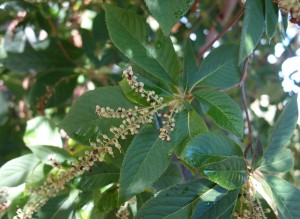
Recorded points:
242,86
236,18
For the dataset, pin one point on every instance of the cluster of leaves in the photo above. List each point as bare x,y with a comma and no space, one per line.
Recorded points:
201,173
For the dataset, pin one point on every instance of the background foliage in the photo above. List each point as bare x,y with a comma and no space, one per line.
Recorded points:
59,59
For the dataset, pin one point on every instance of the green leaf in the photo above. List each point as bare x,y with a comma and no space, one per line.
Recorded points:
253,28
271,16
282,161
49,59
216,203
188,125
44,152
189,66
41,130
59,207
220,68
59,85
175,202
108,200
230,173
101,175
170,177
258,154
148,85
147,158
160,60
168,12
279,136
3,110
208,148
286,196
222,109
16,171
15,44
82,124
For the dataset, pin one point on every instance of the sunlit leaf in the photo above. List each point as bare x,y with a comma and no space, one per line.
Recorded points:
209,148
125,26
222,109
253,28
230,173
168,12
16,171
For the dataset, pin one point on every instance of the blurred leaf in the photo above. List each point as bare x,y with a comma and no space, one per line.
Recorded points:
230,173
42,131
271,16
175,202
222,109
3,110
286,196
108,200
258,154
101,175
38,176
160,60
170,177
62,206
188,125
100,32
220,68
216,203
168,12
208,148
83,124
189,66
14,41
146,159
44,152
253,28
279,136
49,59
16,171
54,88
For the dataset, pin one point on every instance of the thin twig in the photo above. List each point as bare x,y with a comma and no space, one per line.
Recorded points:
242,86
236,17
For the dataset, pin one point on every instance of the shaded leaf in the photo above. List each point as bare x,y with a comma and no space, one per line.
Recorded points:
220,68
279,136
175,202
59,85
271,16
222,109
189,66
216,203
253,28
170,177
286,196
59,207
125,26
258,154
82,124
147,158
16,171
208,148
230,173
101,175
3,110
49,59
168,12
